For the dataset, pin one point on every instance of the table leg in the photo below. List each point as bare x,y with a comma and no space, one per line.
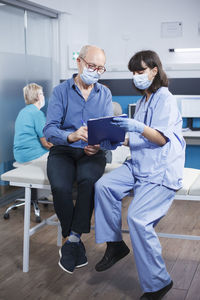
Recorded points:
26,229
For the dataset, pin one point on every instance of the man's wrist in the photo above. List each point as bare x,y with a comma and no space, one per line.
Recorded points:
70,138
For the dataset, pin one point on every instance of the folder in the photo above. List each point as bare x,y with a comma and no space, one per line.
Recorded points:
100,129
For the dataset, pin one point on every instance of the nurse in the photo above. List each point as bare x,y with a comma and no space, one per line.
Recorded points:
154,172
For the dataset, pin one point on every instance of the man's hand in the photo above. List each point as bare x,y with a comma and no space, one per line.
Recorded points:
91,150
80,134
129,124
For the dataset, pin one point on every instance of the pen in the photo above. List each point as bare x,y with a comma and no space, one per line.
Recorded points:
83,123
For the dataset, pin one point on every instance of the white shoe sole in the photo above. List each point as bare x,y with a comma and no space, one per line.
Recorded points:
79,266
64,268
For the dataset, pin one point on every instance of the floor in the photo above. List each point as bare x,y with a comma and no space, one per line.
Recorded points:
46,280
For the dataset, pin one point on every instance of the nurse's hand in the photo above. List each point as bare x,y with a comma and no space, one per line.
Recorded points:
129,125
107,145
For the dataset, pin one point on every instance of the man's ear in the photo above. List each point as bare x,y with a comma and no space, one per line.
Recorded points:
78,59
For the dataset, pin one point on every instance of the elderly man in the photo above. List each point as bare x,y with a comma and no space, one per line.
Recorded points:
71,159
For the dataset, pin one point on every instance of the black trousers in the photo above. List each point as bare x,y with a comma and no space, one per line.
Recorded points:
65,166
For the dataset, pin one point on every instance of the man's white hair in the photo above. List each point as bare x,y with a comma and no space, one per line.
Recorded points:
84,50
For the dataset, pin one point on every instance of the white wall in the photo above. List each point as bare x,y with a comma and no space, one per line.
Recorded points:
124,27
72,27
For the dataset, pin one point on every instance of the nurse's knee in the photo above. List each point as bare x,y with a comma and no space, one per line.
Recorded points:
100,185
135,219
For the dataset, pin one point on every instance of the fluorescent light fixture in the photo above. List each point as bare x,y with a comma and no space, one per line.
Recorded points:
184,50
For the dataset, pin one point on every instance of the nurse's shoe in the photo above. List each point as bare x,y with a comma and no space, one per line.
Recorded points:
158,295
114,252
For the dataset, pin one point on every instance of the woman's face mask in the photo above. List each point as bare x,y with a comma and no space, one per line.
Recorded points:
141,81
42,102
89,77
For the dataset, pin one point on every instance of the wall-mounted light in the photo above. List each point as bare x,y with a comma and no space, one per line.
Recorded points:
184,50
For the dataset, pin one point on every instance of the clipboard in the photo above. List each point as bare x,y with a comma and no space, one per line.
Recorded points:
100,129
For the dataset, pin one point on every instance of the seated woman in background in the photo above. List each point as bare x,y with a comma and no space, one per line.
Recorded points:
29,141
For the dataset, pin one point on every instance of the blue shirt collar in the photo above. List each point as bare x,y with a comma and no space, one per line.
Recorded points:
72,83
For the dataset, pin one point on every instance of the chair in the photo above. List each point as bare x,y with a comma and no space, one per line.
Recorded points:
117,109
34,201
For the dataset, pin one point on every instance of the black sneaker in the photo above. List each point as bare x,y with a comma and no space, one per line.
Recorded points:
68,256
158,295
114,252
72,255
81,260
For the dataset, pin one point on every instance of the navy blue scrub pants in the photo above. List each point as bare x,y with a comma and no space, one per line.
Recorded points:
65,166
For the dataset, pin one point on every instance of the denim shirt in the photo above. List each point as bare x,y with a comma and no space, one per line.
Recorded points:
68,111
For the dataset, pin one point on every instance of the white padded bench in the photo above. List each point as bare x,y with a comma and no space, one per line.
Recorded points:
191,192
35,176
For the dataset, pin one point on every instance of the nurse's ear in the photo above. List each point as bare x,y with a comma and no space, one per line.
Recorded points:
154,71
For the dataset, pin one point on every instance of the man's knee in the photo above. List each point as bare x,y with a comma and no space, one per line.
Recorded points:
61,191
88,180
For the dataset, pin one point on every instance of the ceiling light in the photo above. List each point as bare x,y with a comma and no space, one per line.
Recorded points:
184,50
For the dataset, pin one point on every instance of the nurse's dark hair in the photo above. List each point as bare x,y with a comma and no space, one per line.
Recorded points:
151,60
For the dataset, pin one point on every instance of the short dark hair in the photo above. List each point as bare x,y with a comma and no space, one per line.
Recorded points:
151,59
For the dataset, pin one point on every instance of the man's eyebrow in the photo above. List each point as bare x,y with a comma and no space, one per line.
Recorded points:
95,65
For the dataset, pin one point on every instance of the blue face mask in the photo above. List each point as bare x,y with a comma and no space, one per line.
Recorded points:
141,81
89,77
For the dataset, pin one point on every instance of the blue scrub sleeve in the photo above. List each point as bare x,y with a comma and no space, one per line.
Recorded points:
164,115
